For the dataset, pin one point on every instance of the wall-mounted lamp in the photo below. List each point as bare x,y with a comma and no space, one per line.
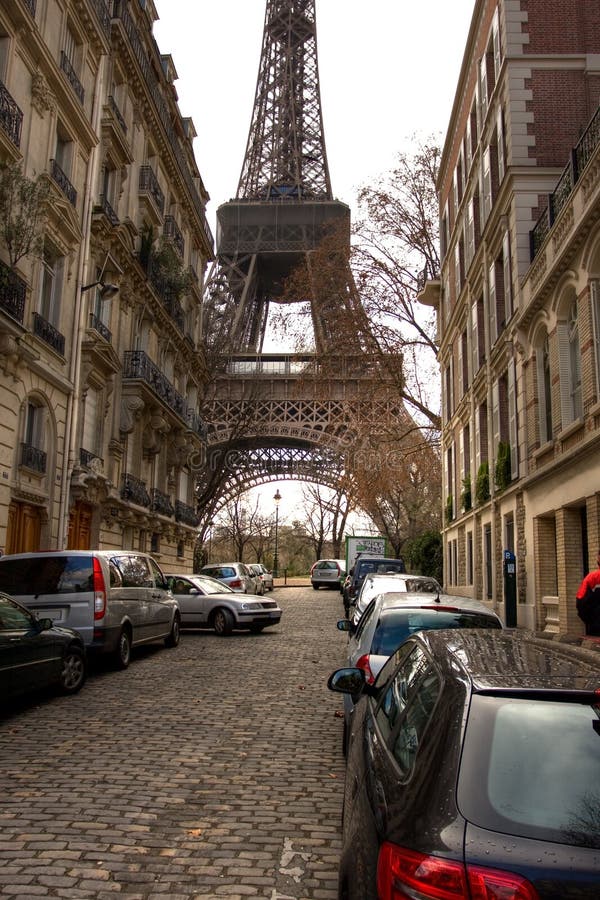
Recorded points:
107,289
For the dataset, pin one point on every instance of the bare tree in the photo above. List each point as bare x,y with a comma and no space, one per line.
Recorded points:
326,514
22,212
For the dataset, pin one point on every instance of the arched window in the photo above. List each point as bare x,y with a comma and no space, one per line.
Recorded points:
33,454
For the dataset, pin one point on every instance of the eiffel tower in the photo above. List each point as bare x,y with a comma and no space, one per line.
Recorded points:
282,416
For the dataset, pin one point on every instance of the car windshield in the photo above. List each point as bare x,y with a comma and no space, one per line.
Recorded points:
531,767
395,625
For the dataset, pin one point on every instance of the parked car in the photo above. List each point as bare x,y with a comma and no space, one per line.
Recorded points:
116,599
257,574
36,654
235,575
473,770
375,584
365,565
327,573
391,618
267,577
204,601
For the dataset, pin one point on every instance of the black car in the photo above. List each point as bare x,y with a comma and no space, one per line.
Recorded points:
474,771
36,654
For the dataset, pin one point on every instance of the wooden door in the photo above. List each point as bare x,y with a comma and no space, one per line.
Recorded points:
24,528
80,527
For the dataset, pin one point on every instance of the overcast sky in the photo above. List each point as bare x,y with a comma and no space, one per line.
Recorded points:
388,69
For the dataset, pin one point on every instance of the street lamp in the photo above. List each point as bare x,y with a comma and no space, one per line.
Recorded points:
277,499
210,528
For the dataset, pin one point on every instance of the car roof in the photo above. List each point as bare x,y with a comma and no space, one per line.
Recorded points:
512,659
389,599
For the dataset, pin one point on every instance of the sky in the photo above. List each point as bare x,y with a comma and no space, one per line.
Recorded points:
388,71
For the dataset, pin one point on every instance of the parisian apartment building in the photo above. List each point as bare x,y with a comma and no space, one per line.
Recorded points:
100,363
518,308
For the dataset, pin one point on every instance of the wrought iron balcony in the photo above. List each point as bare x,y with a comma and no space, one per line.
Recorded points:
104,207
135,490
67,67
580,156
98,325
63,182
137,364
33,458
196,424
103,14
13,291
186,514
149,184
30,4
117,113
161,503
121,13
48,333
172,232
86,458
11,117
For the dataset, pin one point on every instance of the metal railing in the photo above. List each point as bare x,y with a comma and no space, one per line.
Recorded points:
186,514
580,156
105,207
33,458
48,333
98,325
172,232
11,117
63,182
117,113
137,364
149,184
121,13
72,77
13,292
161,503
31,4
86,457
135,490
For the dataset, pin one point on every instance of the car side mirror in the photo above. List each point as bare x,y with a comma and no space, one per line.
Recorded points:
347,681
344,625
45,624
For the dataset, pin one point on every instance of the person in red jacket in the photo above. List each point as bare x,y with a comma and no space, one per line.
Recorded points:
588,601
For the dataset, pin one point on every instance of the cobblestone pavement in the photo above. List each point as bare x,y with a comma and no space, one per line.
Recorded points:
211,770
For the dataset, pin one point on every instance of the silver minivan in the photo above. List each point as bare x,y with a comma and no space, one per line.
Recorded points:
116,599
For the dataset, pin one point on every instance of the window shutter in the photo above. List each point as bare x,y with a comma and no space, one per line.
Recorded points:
461,385
487,183
461,452
474,339
495,417
508,301
492,304
541,395
595,301
500,140
483,96
496,45
564,368
513,434
477,441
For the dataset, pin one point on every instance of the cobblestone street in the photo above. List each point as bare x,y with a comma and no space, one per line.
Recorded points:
211,770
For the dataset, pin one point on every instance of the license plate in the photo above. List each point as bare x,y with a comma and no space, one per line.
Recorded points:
57,615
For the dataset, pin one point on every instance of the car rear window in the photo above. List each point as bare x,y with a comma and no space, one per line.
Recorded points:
225,572
395,625
46,575
531,767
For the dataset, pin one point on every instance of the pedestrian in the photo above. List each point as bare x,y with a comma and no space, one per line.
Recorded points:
588,600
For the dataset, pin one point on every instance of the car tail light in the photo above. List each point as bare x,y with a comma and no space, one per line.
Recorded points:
404,873
363,663
236,583
99,590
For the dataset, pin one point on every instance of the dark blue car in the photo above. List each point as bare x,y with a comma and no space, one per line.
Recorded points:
474,771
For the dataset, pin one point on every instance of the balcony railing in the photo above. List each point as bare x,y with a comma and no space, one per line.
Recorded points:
149,184
186,514
48,333
86,458
162,109
13,291
98,325
104,206
103,14
117,113
73,79
580,157
138,365
135,490
11,117
63,182
196,424
33,458
161,503
172,232
31,4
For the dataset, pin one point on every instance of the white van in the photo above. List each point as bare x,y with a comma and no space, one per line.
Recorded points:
116,599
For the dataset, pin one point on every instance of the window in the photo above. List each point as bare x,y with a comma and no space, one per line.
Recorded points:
569,355
91,438
477,335
134,571
487,549
449,389
469,557
50,286
463,364
544,388
595,301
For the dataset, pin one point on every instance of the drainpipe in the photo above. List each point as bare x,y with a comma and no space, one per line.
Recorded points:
71,421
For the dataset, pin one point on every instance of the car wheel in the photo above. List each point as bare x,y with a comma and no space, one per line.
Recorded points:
73,671
315,587
173,638
222,622
123,651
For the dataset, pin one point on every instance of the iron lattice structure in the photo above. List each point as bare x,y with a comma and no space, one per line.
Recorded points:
266,424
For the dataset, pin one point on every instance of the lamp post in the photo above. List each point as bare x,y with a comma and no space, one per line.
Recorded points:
277,499
210,528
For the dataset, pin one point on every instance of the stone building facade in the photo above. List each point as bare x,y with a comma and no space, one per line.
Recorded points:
518,303
99,388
